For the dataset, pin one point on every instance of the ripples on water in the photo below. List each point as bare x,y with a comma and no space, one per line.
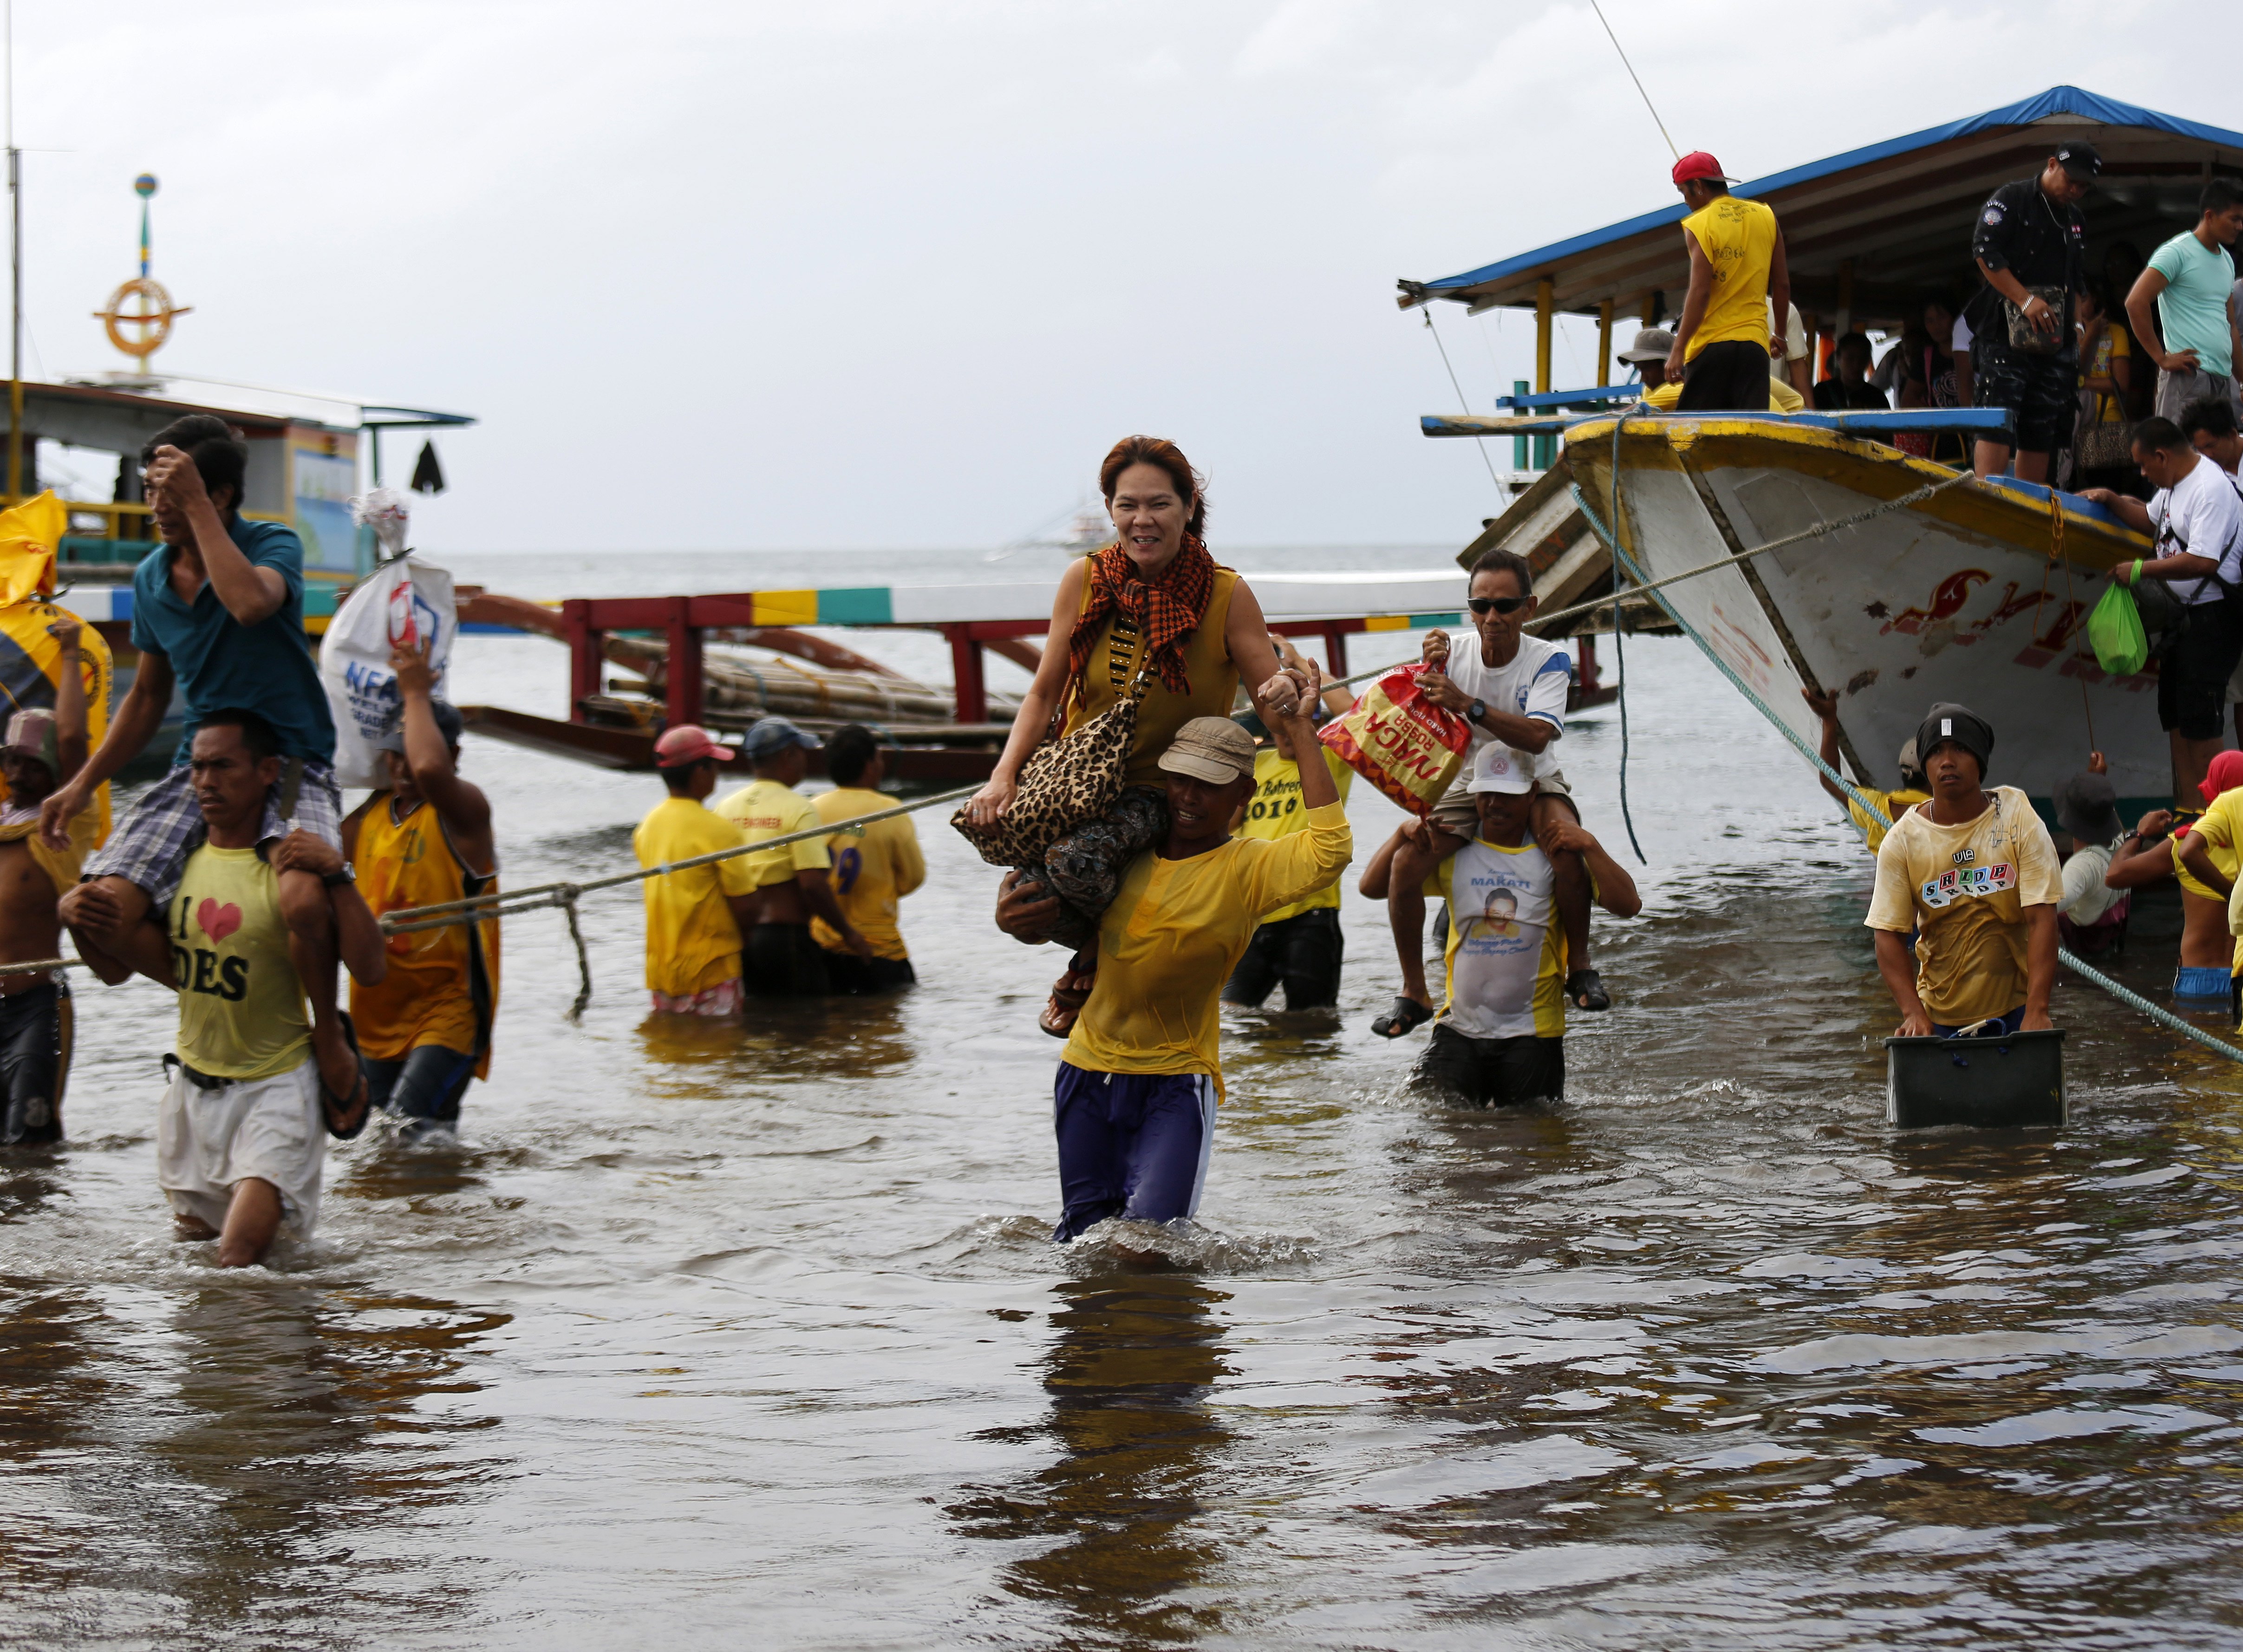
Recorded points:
709,1332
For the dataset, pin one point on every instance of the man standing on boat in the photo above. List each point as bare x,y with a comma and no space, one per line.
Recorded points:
218,608
1738,280
1974,873
2188,282
2029,243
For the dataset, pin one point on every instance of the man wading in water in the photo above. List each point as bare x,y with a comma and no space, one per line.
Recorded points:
1141,1076
1975,874
239,1145
1153,601
218,608
425,1030
44,748
1512,688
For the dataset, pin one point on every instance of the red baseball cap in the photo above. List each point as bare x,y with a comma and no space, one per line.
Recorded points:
1699,164
689,743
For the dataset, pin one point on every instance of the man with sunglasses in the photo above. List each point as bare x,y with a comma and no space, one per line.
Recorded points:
1511,689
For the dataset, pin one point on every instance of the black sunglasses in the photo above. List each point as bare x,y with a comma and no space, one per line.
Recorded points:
1500,604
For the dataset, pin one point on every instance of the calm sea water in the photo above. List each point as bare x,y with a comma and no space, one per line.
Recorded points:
752,1334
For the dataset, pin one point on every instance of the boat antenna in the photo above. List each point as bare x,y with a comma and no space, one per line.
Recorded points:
1632,76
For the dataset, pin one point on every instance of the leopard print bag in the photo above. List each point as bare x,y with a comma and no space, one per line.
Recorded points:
1065,783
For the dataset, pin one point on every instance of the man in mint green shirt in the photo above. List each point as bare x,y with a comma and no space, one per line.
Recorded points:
2189,279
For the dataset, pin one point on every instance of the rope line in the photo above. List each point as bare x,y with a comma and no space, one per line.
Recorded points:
1461,401
2131,999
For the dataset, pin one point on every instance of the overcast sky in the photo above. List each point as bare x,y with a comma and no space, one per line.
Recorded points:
859,274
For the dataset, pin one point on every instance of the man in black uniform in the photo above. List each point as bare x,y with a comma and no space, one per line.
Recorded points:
2028,243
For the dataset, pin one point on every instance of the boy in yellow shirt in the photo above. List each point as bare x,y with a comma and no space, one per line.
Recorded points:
792,882
874,867
693,918
1975,874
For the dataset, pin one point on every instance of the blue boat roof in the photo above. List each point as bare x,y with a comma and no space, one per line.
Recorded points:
1899,211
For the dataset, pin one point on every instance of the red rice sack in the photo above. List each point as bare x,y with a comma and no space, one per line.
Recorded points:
1400,741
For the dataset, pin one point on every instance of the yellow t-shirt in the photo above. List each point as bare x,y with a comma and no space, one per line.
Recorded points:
242,1013
1738,237
1964,890
2222,828
1505,964
1276,812
1781,398
692,941
1176,930
764,809
872,873
1893,803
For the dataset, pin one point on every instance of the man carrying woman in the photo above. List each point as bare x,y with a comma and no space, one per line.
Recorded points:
1141,1076
1153,605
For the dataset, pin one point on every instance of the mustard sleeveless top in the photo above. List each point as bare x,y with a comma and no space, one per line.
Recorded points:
1119,654
443,985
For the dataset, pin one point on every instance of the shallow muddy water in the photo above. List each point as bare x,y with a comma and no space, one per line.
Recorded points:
705,1337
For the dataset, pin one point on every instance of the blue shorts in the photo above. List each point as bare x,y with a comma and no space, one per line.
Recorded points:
2008,1022
1131,1143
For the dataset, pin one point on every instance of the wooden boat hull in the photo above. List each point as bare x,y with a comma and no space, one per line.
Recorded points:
632,750
1956,598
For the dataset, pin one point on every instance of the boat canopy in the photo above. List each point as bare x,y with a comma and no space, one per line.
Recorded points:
1870,233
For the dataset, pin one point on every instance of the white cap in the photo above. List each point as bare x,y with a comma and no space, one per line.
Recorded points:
1501,769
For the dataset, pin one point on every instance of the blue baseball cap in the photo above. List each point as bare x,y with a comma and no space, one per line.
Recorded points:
774,734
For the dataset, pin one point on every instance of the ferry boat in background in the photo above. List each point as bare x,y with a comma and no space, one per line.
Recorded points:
1978,594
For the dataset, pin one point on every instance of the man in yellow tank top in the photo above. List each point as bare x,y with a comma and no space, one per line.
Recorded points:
425,1030
1738,280
241,1137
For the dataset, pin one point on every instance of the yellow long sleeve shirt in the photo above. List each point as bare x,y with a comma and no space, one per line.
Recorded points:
1176,930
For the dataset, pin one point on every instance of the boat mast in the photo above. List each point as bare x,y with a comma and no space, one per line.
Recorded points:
14,259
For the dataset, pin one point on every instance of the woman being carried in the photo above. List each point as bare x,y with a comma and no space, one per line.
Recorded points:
1153,603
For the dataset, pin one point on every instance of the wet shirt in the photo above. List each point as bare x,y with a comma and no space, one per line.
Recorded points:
222,664
2022,230
764,809
692,940
242,1013
1175,932
441,985
1507,957
2086,896
1276,812
1963,890
2222,828
871,872
1738,237
2193,310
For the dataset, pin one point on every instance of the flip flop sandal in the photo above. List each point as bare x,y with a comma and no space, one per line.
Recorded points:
333,1107
1058,1017
1585,990
1406,1017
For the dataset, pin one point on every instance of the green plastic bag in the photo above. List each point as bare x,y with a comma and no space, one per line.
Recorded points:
2114,630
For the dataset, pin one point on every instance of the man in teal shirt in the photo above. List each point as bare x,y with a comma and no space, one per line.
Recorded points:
2189,279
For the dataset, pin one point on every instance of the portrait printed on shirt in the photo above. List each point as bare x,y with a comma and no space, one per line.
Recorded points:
1501,911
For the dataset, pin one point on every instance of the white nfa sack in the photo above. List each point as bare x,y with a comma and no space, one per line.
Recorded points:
402,602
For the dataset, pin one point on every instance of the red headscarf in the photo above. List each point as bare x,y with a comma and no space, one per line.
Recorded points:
1166,610
2226,773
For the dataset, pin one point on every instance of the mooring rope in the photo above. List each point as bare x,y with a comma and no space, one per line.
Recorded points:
2131,999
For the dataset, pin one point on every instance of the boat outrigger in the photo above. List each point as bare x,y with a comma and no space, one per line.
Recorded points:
1977,593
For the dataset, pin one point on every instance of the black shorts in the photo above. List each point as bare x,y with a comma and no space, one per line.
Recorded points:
35,1057
2197,657
1731,376
1303,951
781,960
1493,1073
2045,391
867,977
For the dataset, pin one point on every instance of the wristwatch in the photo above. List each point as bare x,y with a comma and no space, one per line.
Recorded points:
348,874
1478,709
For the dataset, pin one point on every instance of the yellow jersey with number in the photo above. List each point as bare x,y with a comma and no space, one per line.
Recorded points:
1276,812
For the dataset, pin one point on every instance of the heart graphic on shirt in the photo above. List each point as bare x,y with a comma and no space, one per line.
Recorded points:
218,922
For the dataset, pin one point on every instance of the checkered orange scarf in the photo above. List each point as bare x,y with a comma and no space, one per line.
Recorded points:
1167,610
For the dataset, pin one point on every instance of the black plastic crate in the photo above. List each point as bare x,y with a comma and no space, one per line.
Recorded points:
2013,1080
